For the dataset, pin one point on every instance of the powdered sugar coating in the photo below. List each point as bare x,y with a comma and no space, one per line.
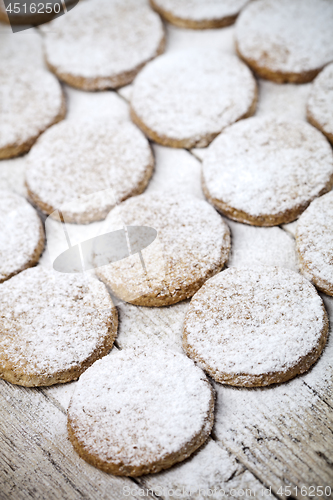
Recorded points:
21,235
53,326
137,411
314,242
255,326
265,171
286,37
104,43
320,103
30,101
186,98
85,168
197,10
23,47
192,244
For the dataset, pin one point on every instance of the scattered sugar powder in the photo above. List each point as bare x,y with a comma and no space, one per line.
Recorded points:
51,322
24,47
21,235
286,36
85,168
250,322
253,246
266,166
193,94
314,242
137,407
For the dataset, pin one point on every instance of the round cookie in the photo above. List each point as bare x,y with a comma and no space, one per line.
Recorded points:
137,412
314,243
320,103
184,99
192,245
265,171
21,235
196,14
255,327
59,172
286,41
103,44
53,326
32,101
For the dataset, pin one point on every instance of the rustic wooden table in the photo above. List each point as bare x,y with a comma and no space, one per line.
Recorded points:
276,441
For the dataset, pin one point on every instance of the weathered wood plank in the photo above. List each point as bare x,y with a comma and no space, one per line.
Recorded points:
37,460
211,473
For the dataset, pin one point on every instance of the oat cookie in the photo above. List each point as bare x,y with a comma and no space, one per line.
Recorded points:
184,99
314,243
196,14
21,235
31,101
255,327
192,245
320,103
136,412
103,44
265,171
53,326
284,40
85,168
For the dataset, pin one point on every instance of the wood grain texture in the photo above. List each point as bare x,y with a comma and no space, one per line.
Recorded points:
37,461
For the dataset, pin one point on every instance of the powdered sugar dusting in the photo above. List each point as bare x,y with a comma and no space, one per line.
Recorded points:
287,36
193,244
197,10
247,322
259,246
190,94
51,322
320,103
30,101
21,234
104,38
136,408
151,326
59,167
24,47
314,241
268,166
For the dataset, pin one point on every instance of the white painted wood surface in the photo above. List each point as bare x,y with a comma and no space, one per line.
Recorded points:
276,437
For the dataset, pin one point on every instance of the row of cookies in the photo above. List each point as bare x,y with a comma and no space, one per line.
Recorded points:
283,41
163,105
260,171
192,246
